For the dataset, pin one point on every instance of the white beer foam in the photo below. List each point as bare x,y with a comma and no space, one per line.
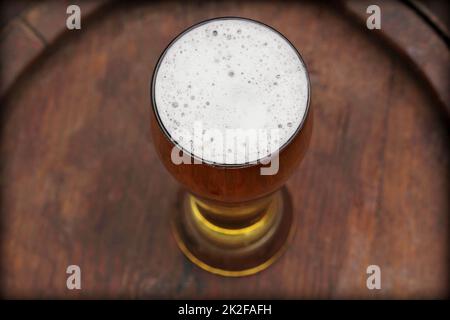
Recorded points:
230,74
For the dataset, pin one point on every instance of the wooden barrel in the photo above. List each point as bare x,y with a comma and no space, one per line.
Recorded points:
81,182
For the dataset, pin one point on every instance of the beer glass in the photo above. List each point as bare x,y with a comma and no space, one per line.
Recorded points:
232,220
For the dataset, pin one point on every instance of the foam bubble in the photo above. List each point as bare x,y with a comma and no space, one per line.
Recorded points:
230,74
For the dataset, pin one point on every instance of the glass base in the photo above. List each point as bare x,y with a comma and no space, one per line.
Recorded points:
234,239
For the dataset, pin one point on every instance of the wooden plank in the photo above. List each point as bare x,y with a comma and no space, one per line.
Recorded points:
416,40
18,47
27,35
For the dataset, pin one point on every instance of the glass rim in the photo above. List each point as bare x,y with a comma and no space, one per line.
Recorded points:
213,163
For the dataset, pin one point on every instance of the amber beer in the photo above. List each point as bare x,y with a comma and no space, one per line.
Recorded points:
232,96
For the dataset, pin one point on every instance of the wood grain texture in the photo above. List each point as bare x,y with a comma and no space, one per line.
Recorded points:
26,44
414,39
48,18
82,184
28,28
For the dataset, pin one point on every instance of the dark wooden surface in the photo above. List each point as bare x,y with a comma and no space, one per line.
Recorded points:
81,182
